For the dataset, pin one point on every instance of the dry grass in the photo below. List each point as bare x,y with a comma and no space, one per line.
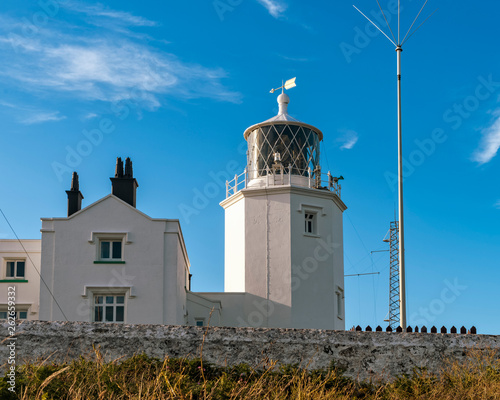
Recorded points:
146,378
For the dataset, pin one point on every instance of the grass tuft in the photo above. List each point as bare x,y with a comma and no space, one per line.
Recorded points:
145,378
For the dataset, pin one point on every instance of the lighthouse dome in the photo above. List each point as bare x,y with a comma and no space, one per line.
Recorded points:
282,140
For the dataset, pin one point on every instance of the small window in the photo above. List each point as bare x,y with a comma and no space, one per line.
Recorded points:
199,322
110,250
340,302
109,308
310,222
15,269
19,315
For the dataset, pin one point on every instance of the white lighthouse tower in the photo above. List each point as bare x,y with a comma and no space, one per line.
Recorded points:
283,228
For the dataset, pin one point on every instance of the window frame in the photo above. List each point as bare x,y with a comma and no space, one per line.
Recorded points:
310,220
339,299
316,211
18,312
197,320
97,238
15,261
115,304
111,249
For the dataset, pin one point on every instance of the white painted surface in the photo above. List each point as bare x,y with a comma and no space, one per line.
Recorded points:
291,277
27,293
153,277
234,254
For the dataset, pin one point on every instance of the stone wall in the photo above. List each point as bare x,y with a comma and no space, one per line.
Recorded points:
364,355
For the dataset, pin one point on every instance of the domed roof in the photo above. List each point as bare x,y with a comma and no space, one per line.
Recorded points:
283,116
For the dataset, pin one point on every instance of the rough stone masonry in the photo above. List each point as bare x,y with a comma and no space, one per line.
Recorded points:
363,355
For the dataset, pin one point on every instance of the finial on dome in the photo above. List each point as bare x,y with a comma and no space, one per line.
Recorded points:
283,101
283,98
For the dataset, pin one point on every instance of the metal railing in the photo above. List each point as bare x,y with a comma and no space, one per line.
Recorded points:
285,176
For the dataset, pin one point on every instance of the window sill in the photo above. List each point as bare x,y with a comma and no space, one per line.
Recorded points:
13,280
109,262
314,235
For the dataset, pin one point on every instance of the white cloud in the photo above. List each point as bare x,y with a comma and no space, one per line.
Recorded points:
490,142
42,117
497,205
90,116
107,66
348,140
30,115
98,10
275,7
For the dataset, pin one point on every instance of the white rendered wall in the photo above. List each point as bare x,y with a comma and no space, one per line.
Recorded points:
234,244
27,293
318,261
291,278
156,264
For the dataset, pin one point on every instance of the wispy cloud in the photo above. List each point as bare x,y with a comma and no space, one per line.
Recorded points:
90,116
348,140
296,59
497,205
7,104
42,117
275,7
104,66
490,142
30,115
99,10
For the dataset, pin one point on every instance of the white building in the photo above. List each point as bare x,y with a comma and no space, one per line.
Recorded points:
20,263
283,235
109,262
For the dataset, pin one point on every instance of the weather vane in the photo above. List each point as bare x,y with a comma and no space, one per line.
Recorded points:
290,83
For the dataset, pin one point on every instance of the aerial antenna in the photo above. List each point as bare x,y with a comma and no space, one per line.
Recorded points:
290,83
399,48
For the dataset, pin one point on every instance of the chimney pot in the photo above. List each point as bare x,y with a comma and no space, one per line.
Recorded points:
124,186
74,196
119,168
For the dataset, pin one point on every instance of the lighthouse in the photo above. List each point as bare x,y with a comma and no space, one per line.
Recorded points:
283,228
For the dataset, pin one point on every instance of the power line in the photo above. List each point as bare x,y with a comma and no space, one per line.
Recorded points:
368,273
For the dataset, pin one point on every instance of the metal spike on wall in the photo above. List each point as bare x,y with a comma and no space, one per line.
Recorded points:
394,317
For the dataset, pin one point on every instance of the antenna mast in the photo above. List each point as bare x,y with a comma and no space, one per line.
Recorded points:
399,48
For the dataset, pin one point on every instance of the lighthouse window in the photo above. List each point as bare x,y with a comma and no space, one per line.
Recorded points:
310,222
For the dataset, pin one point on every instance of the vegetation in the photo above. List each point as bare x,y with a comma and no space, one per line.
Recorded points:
146,378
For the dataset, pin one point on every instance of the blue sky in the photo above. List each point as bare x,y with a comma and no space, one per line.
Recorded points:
173,85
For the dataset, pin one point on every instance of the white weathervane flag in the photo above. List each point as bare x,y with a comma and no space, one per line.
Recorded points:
290,83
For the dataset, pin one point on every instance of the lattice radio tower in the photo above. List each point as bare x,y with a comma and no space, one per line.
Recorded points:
394,317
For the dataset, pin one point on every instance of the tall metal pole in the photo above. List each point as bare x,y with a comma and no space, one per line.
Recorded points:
399,43
402,291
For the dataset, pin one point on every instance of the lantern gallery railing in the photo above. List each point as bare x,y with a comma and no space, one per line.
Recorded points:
284,176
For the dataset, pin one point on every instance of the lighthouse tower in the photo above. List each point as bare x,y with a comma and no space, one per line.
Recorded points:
283,228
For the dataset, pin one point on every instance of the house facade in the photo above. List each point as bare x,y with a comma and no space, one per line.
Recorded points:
20,263
109,262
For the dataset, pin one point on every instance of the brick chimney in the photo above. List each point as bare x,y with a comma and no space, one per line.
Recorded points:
124,185
74,196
